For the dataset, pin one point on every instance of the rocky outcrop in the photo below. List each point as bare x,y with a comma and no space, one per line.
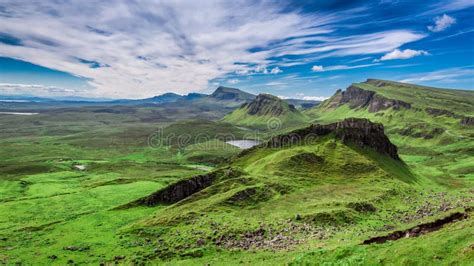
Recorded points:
356,97
360,132
182,189
419,229
467,121
360,98
178,191
439,112
334,101
378,103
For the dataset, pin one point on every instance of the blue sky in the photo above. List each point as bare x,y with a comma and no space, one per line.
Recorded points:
298,49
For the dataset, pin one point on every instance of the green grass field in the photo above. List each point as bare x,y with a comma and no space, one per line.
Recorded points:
66,175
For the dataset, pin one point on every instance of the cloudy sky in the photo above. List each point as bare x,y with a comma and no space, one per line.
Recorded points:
301,49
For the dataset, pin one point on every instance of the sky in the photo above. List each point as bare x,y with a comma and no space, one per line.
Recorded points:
296,49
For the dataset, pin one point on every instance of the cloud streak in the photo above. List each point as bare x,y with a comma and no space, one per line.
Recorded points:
136,49
402,54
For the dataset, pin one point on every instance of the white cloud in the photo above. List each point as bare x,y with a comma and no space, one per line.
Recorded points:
276,70
301,96
35,89
233,81
441,23
317,68
402,54
151,47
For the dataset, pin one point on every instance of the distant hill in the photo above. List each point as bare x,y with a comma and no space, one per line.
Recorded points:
231,94
164,98
264,110
436,124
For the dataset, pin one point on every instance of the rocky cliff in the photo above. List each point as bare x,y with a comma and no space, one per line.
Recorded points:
360,98
360,132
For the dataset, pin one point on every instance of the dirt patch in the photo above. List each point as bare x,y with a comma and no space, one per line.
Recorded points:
267,238
419,229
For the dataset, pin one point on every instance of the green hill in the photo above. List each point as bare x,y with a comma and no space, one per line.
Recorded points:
321,188
266,112
432,127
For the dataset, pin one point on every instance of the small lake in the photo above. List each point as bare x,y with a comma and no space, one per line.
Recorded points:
243,144
15,113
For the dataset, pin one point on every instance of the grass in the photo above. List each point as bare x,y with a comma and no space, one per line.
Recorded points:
313,203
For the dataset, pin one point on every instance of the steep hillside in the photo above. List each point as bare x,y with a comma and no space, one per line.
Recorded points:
316,188
266,112
433,127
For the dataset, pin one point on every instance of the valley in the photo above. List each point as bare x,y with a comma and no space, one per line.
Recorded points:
235,178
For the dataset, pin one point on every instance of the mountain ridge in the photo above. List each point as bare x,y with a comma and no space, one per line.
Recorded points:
261,111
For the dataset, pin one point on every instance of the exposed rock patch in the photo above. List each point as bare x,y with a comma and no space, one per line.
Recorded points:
182,189
421,130
467,121
179,190
439,112
419,229
360,98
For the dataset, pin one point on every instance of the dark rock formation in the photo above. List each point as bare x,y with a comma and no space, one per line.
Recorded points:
182,189
439,112
356,97
467,121
419,229
178,191
378,103
360,132
360,98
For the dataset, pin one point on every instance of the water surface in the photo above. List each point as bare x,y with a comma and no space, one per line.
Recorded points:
16,113
243,144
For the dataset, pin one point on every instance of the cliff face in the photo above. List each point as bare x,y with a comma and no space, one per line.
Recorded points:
359,98
360,132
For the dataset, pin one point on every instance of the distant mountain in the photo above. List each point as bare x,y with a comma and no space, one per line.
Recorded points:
259,113
231,94
163,98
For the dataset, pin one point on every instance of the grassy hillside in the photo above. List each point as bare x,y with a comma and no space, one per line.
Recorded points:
69,176
432,141
267,112
272,205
